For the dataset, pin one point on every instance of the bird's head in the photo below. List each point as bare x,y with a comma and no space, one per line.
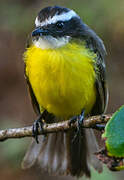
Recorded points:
55,27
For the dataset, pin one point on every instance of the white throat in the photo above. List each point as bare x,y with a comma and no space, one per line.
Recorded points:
49,42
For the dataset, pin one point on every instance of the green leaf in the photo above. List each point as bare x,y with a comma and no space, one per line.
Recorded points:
114,134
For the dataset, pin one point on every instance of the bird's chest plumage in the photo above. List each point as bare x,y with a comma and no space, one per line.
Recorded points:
63,80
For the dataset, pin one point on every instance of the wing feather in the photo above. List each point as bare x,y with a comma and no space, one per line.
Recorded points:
95,44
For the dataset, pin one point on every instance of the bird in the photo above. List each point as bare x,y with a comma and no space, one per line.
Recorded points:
65,73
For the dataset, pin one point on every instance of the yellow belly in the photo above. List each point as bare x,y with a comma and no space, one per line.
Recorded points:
63,80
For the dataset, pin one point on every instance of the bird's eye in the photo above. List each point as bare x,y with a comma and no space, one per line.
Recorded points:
59,25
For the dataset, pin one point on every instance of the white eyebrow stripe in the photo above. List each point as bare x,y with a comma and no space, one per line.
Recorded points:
62,17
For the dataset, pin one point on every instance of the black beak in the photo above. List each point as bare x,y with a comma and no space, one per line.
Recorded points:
39,32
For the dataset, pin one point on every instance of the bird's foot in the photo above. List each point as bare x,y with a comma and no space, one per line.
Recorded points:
72,120
39,123
79,120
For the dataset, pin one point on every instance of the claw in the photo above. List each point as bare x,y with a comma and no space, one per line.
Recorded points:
72,120
79,120
37,124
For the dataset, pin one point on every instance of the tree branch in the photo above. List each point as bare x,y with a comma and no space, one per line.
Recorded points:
52,128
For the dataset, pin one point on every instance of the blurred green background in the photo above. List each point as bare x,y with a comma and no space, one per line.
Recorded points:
16,21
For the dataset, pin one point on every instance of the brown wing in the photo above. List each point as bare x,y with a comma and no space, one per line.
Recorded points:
101,87
95,44
33,98
102,92
32,95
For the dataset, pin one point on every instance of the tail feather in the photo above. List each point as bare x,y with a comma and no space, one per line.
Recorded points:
51,157
93,147
33,152
78,154
59,154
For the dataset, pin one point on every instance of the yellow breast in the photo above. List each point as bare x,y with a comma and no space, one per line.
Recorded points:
62,79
